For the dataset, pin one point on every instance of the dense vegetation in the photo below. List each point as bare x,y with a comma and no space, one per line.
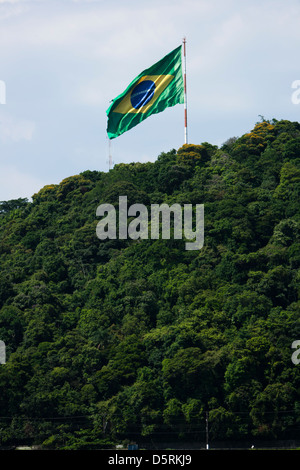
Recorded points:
117,340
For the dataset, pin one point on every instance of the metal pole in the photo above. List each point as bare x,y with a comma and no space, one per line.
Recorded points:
185,93
110,161
207,445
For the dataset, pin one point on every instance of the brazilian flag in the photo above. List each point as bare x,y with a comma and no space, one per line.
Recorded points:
151,92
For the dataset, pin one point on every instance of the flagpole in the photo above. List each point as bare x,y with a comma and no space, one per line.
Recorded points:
185,94
110,161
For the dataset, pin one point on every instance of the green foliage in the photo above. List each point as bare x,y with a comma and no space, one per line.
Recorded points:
114,340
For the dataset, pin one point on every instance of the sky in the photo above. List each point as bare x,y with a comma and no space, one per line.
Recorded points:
63,61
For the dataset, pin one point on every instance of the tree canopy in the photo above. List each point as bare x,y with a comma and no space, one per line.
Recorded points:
114,340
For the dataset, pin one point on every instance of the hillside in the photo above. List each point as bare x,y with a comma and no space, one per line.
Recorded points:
121,339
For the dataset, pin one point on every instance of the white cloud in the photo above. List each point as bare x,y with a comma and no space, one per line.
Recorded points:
105,29
15,183
63,60
12,129
19,1
90,94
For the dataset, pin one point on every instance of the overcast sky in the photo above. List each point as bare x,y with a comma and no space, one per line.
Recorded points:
62,61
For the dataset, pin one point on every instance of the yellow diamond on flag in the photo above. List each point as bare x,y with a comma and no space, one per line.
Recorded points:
143,94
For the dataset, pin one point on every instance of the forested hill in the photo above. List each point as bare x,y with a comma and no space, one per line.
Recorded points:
142,340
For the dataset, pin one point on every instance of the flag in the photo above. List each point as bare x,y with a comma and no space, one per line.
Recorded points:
152,91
